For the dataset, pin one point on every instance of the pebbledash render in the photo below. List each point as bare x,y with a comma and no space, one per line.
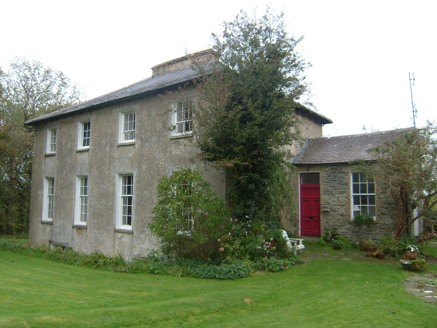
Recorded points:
96,165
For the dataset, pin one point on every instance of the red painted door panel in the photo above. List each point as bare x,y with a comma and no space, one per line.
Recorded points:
310,209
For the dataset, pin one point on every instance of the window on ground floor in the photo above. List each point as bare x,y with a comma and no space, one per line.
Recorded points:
49,199
81,211
363,195
125,206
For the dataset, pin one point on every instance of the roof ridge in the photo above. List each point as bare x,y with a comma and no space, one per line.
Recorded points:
368,134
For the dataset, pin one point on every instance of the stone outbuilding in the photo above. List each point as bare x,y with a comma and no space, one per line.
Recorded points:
331,192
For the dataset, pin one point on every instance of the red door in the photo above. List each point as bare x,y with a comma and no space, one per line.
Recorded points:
309,204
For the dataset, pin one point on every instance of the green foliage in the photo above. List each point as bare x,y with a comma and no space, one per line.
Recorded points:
27,90
244,113
369,242
365,219
337,243
396,248
189,217
406,167
210,270
274,264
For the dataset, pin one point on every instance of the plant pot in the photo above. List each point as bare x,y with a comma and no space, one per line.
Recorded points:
411,255
369,249
380,255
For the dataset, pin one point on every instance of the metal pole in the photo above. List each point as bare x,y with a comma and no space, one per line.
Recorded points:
412,103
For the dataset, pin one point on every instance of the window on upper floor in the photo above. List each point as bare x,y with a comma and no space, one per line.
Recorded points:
81,210
51,140
182,118
84,135
363,195
127,127
125,202
49,199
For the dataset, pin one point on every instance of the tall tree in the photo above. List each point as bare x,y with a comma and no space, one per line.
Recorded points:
407,168
244,120
28,89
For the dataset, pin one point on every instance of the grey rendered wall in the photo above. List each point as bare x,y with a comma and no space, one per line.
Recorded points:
153,155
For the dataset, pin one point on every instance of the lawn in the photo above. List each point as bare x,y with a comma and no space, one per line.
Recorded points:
325,292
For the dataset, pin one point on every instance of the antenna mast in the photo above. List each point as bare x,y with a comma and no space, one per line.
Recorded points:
413,106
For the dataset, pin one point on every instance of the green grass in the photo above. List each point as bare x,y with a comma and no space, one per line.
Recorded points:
36,292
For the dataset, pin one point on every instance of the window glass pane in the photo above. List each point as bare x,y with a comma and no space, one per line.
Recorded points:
371,187
372,200
183,117
372,210
86,133
356,188
310,178
364,200
357,200
355,177
363,188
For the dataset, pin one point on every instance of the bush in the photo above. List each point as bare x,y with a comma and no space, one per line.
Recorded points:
211,270
189,217
396,247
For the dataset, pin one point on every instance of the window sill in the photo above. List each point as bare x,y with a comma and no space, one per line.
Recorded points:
123,231
46,222
124,144
181,136
49,154
81,150
80,226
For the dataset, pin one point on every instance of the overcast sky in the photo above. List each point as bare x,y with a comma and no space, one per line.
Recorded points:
361,51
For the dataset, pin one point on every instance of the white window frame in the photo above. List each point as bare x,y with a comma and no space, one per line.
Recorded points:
125,202
49,199
366,191
52,136
186,214
126,130
182,119
82,200
81,135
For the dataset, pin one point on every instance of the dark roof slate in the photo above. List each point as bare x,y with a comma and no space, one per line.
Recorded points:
343,149
150,85
143,87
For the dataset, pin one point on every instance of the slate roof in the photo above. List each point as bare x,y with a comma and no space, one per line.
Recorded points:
144,87
149,86
343,149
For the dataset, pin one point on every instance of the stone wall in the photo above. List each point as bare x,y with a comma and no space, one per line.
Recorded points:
335,204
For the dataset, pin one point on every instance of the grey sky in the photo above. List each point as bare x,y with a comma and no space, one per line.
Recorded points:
361,51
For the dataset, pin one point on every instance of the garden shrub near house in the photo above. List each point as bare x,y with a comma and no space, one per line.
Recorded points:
189,218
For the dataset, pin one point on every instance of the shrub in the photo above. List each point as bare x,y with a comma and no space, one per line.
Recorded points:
211,270
396,247
189,217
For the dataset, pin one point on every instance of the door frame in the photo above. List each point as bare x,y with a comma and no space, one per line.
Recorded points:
300,200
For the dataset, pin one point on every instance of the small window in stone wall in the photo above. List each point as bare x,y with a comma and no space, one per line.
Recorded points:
363,195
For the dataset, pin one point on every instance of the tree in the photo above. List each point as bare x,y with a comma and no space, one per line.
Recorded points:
407,168
27,90
244,111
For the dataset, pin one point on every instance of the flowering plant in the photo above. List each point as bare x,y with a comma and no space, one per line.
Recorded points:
412,248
